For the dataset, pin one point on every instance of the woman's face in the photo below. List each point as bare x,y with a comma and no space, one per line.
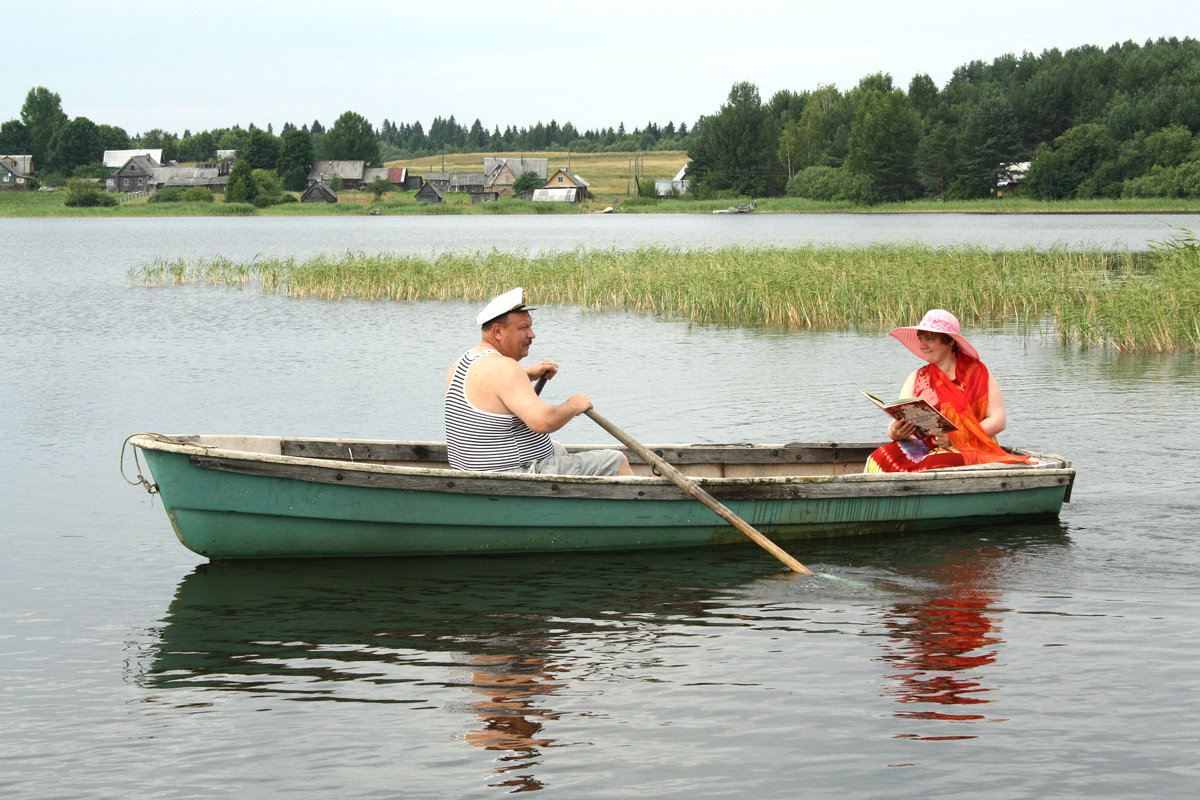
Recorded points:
934,347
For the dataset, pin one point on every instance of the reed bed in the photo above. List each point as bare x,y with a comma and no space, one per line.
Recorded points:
1130,301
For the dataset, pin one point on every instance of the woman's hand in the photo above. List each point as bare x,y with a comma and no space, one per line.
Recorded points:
898,430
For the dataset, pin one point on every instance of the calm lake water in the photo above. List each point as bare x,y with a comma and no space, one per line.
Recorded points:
1019,661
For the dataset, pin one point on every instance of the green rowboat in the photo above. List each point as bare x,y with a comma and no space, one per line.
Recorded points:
271,497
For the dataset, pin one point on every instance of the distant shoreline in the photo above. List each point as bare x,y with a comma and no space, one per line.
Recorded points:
26,204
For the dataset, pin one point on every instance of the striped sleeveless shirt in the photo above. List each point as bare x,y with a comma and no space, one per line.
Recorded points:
481,440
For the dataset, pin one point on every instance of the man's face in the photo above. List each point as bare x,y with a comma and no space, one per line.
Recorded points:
515,335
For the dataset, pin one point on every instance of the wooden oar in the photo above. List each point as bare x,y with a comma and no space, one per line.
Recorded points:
690,486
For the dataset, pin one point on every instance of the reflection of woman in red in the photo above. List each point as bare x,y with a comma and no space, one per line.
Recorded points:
939,644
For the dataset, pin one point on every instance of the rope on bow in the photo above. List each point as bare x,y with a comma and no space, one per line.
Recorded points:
151,488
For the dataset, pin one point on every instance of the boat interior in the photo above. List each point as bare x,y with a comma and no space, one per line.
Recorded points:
698,460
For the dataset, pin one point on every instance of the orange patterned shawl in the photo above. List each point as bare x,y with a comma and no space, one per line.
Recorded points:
964,401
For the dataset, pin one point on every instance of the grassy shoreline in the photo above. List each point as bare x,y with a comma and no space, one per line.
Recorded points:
50,204
1126,300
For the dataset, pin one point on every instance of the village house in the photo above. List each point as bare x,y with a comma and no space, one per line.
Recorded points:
15,172
677,185
350,172
562,187
500,180
467,182
135,175
143,174
212,177
318,193
429,194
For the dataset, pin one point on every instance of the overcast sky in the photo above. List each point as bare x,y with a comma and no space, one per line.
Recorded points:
202,65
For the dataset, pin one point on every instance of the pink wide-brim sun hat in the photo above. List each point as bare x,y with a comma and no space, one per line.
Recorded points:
937,320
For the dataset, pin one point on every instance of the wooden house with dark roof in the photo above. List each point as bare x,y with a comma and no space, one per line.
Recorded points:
210,178
137,175
318,193
500,180
467,182
351,172
15,172
429,194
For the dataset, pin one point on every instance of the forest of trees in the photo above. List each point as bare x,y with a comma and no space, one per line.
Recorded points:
1092,122
1120,122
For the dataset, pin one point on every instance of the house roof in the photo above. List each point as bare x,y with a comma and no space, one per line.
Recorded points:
429,189
346,170
115,159
20,165
371,173
397,175
188,176
571,176
463,179
318,191
140,164
519,165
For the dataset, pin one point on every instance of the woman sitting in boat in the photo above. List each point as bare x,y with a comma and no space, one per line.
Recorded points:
958,385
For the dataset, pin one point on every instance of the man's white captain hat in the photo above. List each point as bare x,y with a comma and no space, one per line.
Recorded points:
512,300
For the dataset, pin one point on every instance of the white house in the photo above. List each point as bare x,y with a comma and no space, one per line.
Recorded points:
677,185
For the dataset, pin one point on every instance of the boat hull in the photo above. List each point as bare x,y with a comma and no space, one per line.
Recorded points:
225,505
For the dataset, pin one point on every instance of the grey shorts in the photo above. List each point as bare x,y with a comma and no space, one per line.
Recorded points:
588,462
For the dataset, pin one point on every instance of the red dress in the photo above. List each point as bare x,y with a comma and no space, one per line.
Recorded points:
964,402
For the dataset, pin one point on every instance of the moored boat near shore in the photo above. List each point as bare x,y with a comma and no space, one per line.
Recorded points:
273,497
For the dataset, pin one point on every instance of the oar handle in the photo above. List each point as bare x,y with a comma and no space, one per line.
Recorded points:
541,384
692,488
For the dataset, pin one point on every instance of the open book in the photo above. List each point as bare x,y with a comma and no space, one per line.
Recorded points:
917,411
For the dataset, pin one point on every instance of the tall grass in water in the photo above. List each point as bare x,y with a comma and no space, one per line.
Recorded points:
1132,301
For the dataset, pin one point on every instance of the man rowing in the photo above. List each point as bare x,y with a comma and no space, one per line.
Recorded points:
495,421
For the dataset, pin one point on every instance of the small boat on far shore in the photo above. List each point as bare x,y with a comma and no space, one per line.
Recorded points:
273,497
743,208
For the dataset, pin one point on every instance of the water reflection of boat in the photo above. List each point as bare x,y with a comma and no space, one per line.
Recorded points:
486,648
270,497
246,625
451,634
